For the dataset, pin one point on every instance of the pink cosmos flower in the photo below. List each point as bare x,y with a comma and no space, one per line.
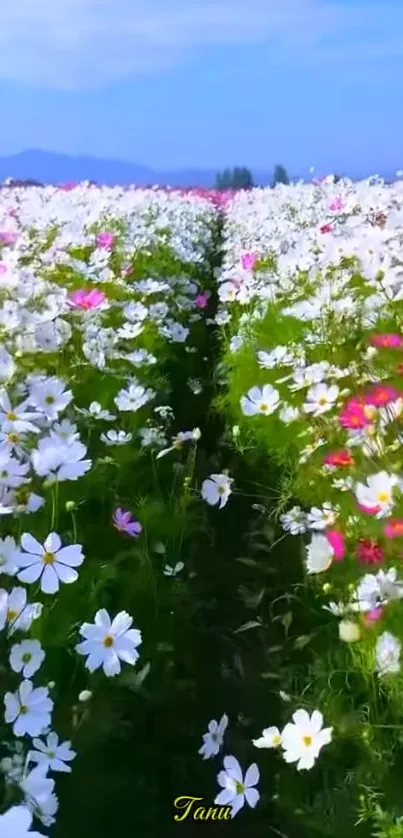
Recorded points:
336,205
381,394
123,521
372,616
338,458
353,415
105,240
386,341
7,237
3,268
394,528
369,510
87,299
326,228
368,551
248,261
68,186
337,542
202,299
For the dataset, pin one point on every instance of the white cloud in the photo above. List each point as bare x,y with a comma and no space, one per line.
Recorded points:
80,44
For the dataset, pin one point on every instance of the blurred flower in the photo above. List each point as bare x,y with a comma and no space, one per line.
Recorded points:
123,521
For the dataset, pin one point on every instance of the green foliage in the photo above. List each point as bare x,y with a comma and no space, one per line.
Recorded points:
280,175
237,178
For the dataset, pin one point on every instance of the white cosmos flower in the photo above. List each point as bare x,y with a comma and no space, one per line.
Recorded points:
288,414
51,563
216,489
280,356
16,823
9,556
303,739
113,437
320,398
376,590
377,492
294,521
133,398
52,754
96,411
27,657
214,738
173,571
107,642
12,472
264,400
28,710
7,365
319,554
16,419
50,397
60,460
270,738
387,654
237,789
38,790
321,519
16,611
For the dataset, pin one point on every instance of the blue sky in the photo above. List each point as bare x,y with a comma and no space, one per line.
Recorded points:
178,83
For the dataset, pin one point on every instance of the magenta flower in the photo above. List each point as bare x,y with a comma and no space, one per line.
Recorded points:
248,261
87,299
202,299
336,205
123,521
336,541
386,340
372,616
7,237
105,240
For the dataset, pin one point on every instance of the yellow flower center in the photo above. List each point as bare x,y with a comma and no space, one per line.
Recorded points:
26,657
307,740
12,615
13,437
263,407
11,416
48,558
370,411
322,400
108,641
276,741
383,497
239,787
49,400
23,709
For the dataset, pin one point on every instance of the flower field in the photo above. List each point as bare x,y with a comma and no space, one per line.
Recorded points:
201,510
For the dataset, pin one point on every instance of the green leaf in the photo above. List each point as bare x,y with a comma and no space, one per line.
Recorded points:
247,626
302,641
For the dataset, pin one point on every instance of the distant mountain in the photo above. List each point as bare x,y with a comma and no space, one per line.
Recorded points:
53,168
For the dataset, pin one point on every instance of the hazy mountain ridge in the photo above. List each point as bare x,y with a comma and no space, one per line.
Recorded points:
54,168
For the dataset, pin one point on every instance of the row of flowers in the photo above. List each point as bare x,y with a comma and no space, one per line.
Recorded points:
100,291
310,310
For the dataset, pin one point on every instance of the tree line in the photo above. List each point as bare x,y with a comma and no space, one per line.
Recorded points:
242,178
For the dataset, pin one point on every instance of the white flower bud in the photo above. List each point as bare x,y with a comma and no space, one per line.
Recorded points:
85,695
349,631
